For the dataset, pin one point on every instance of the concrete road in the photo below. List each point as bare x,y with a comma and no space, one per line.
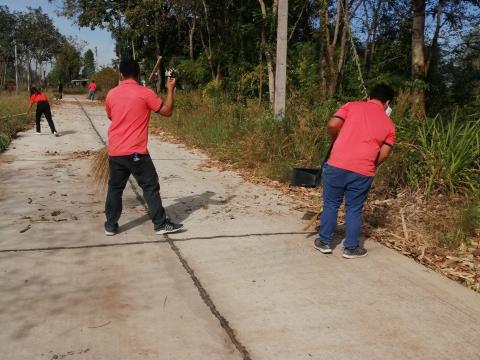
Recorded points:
243,282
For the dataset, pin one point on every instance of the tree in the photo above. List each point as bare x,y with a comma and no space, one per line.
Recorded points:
67,63
88,64
419,69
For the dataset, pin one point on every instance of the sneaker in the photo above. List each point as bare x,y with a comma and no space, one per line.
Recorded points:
168,227
354,253
323,248
38,133
56,134
110,231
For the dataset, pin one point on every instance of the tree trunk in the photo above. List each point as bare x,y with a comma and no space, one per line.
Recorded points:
329,47
209,53
281,65
157,51
4,77
268,55
418,59
260,77
28,71
190,37
371,37
434,45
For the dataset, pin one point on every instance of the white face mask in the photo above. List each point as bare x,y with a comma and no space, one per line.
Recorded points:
388,110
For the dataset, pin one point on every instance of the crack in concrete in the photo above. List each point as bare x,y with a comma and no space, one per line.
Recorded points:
146,242
203,293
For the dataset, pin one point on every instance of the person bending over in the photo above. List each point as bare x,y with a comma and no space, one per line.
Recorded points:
129,106
43,108
362,135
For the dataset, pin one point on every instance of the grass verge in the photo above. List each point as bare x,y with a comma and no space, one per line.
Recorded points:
9,124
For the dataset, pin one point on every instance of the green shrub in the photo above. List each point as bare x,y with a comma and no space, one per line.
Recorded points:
451,151
192,73
4,141
213,89
106,79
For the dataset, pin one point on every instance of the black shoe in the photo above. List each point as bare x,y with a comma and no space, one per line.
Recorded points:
109,231
354,253
323,248
168,227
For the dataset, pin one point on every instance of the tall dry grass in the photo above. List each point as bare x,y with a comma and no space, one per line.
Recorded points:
248,136
10,125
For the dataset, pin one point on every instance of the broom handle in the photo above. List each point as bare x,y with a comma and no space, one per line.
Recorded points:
154,68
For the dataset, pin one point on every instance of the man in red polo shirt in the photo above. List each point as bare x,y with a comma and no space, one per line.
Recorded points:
129,106
362,135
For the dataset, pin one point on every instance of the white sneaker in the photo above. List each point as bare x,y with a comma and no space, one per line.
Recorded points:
56,134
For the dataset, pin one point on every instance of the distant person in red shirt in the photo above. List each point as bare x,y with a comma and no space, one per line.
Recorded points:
362,135
91,90
43,108
129,106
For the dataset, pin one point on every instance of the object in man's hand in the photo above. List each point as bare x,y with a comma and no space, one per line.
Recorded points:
171,72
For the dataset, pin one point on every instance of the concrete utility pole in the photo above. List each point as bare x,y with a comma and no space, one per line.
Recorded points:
281,66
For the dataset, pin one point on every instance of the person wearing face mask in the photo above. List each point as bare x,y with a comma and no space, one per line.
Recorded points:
362,136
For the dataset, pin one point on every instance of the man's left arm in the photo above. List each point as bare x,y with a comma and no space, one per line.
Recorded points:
386,148
107,109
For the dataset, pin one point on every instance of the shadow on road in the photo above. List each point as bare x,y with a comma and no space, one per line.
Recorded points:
184,207
181,209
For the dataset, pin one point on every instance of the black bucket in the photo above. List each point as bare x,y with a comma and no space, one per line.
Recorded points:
306,177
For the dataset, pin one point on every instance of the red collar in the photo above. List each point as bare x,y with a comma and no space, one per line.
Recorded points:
128,81
375,101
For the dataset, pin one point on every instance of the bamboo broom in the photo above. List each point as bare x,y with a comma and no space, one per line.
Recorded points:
99,168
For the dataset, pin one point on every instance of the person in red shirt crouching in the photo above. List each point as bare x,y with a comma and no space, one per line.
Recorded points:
43,108
129,106
362,135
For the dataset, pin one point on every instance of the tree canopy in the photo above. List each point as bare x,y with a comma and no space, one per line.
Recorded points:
335,46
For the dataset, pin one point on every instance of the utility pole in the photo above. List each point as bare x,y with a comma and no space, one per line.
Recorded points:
16,68
281,65
95,63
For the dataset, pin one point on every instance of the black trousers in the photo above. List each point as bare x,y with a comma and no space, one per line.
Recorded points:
43,107
144,172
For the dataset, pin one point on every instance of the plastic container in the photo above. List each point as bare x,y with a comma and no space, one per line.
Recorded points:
306,177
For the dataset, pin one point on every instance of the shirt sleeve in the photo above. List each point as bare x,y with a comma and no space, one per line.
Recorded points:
154,102
32,99
342,112
108,110
390,139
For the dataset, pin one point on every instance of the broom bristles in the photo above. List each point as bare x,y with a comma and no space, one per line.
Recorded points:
99,168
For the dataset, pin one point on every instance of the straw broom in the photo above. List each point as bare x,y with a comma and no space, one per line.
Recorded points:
99,168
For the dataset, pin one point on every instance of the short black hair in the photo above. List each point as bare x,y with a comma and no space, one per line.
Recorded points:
382,92
34,90
129,68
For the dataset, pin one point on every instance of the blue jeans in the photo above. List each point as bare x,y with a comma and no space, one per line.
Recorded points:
337,184
91,95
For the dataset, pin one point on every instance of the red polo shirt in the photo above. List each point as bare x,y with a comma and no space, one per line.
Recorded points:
366,127
35,98
128,106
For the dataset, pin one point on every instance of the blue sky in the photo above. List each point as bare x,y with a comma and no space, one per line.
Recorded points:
99,38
